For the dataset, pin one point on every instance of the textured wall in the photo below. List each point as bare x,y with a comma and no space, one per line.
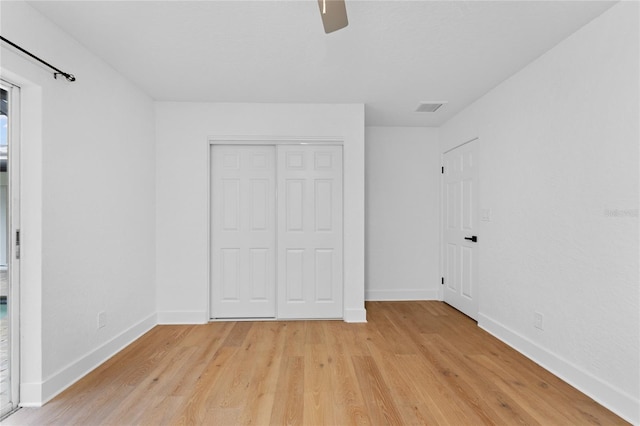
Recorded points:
403,180
559,171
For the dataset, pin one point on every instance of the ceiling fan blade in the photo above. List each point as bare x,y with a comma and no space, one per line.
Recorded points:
334,15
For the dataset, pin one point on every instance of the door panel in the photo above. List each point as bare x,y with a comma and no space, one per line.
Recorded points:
243,232
323,204
259,272
230,274
231,204
295,204
310,231
324,274
9,244
259,192
460,204
294,275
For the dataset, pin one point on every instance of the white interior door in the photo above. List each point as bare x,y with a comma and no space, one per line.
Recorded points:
309,231
243,236
460,214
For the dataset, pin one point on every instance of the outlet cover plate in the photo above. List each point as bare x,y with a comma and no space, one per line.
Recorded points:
538,320
102,319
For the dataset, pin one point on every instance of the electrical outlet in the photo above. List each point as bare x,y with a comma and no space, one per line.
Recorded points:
102,319
538,320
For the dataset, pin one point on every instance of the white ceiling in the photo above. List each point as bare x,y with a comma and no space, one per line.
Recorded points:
392,55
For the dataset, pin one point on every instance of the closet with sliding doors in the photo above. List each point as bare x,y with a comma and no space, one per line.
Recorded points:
276,231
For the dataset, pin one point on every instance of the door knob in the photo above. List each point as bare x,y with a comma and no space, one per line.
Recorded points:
473,239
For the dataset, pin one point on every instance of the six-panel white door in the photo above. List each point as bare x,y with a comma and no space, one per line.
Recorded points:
460,209
309,231
243,231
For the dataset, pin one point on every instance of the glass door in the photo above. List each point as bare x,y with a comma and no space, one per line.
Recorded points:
9,254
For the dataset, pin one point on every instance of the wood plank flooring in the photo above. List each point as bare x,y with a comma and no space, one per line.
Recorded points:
412,363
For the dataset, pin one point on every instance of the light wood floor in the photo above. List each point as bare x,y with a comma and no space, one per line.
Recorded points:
412,363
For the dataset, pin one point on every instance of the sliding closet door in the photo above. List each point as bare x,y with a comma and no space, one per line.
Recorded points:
243,231
309,231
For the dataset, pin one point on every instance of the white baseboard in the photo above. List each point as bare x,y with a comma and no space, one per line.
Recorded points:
355,315
621,403
31,395
182,317
398,295
37,394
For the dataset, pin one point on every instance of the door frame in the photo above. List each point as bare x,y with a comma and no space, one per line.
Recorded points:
13,225
270,140
442,217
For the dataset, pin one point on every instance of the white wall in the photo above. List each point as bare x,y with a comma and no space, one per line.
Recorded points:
183,131
559,169
402,209
88,206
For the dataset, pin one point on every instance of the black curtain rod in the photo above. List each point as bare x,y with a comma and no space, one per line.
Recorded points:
69,77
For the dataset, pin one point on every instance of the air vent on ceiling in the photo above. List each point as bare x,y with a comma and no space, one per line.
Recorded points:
429,106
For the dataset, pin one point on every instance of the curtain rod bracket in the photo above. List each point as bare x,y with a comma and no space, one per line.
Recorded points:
69,77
